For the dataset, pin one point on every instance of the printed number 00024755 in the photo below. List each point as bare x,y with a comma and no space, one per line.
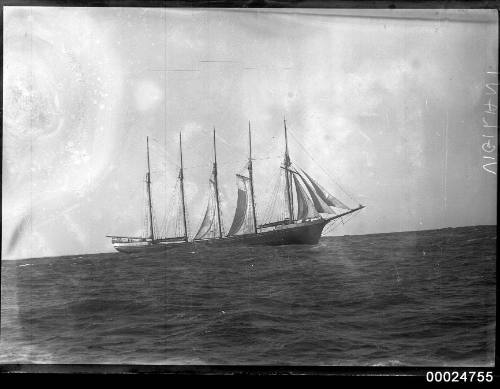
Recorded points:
455,376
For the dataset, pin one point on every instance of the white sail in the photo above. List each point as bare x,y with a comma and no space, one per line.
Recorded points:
324,195
320,205
208,224
305,208
242,221
208,220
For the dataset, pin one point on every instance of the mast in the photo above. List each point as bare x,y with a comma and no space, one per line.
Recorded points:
217,188
181,177
148,182
250,173
287,172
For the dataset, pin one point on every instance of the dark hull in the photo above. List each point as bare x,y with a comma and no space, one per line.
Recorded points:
301,233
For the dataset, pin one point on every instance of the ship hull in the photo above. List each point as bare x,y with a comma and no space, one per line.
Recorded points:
300,233
131,248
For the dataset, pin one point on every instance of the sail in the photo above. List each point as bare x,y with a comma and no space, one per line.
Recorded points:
319,204
208,219
324,195
242,205
305,207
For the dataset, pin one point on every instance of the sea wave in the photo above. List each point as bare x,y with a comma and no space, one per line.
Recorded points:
414,298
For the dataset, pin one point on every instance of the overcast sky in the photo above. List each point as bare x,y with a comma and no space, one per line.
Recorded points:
389,108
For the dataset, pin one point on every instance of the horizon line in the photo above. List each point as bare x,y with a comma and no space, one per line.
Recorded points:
325,236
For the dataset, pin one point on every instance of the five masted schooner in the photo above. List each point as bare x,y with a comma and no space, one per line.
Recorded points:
308,209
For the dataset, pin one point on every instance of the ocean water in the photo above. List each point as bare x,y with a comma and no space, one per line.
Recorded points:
411,299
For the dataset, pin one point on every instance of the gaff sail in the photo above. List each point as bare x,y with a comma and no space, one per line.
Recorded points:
305,208
319,203
243,207
208,220
324,195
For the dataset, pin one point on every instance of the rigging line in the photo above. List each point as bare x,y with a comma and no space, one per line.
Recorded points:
178,211
268,150
266,158
273,198
197,166
282,199
162,151
264,215
227,163
166,215
331,227
145,212
321,167
173,199
211,164
189,233
157,171
337,222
